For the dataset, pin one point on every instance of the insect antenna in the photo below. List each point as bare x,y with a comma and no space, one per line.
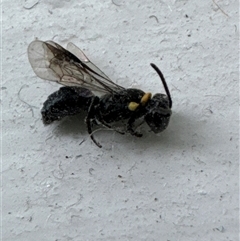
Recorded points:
164,83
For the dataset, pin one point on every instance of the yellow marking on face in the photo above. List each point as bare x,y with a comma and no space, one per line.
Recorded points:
133,106
146,98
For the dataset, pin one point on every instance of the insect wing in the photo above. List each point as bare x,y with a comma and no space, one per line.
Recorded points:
39,57
79,54
92,69
52,62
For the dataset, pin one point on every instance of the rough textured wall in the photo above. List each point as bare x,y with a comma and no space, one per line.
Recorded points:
179,185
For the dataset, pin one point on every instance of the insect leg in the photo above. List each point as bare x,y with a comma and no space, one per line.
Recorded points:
91,118
130,126
103,123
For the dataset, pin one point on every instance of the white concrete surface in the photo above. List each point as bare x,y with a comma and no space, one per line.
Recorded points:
180,185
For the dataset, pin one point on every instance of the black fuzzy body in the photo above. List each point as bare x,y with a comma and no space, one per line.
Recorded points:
109,108
114,107
69,101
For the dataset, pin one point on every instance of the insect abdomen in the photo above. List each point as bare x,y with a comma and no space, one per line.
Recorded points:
66,101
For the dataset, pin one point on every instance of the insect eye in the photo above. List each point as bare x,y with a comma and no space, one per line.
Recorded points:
158,119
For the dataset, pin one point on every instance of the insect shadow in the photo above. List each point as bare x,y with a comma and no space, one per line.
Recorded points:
87,88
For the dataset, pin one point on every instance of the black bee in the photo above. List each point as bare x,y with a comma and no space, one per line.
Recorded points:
71,68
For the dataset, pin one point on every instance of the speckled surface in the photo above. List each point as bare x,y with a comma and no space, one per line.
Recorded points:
180,185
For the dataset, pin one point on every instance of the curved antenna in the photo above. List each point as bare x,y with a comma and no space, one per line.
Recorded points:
164,83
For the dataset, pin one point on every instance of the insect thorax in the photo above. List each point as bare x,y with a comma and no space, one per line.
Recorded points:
114,107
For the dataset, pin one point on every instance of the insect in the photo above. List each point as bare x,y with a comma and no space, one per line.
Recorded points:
81,79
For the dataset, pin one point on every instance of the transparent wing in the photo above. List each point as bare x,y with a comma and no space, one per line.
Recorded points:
80,55
52,62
